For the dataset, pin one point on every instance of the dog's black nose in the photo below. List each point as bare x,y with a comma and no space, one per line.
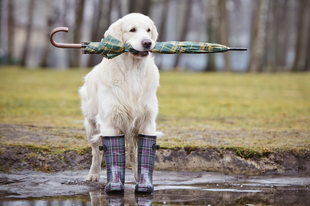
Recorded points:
146,43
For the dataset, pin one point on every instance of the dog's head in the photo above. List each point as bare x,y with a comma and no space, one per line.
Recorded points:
137,30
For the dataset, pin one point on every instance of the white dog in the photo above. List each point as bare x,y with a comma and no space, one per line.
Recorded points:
119,95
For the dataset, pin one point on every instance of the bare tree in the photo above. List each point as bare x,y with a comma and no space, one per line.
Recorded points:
132,5
258,36
97,16
307,64
109,21
146,7
224,31
140,6
1,9
299,48
77,30
212,32
97,28
278,27
271,42
282,35
28,32
50,20
185,29
11,28
163,22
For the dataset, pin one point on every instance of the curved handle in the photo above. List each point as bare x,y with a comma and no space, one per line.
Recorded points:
62,45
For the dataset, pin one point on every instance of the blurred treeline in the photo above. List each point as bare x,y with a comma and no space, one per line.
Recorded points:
276,32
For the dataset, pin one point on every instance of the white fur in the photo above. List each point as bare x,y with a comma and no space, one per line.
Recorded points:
119,95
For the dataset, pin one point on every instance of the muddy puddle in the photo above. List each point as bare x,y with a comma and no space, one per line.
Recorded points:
171,188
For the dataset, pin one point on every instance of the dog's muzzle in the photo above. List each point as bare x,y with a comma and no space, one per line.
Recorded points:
141,53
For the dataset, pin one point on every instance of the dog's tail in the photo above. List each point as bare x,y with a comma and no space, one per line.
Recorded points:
132,141
96,138
159,134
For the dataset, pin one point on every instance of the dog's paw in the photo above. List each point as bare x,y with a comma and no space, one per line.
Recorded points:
93,177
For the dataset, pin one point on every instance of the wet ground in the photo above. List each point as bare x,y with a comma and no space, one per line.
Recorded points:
171,188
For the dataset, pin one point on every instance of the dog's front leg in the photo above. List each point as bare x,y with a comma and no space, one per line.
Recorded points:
105,130
94,172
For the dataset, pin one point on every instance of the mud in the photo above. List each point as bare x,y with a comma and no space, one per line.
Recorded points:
171,188
36,155
229,162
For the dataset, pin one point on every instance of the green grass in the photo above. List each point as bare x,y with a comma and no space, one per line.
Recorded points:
253,111
278,101
41,97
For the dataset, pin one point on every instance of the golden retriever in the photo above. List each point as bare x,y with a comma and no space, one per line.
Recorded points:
119,95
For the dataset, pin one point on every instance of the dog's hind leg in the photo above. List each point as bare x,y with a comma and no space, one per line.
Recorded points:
94,172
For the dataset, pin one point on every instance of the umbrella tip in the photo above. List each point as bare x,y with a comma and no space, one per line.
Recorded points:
237,49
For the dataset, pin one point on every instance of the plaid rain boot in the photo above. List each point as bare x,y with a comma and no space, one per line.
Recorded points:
146,158
114,152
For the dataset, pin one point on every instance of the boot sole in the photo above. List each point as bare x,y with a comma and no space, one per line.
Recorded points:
143,190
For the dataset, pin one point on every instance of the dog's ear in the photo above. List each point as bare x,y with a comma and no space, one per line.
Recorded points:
154,32
115,30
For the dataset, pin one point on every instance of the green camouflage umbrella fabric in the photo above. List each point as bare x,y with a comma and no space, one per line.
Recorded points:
110,47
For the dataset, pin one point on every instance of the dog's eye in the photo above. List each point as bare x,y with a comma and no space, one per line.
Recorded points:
148,30
133,30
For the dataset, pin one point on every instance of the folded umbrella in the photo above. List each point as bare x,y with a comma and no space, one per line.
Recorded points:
110,47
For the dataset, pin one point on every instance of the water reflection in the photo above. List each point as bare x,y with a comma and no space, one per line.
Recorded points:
118,199
176,196
95,198
114,199
194,196
144,200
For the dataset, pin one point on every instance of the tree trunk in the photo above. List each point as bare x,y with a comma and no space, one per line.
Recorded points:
11,34
212,33
224,31
307,64
97,28
271,43
163,22
109,21
258,37
132,6
28,33
146,6
119,8
302,15
162,27
50,16
272,36
185,29
1,26
283,39
77,30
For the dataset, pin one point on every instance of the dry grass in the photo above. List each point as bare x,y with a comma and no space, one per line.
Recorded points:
253,111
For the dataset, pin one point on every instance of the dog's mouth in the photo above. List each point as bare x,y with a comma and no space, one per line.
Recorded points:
140,53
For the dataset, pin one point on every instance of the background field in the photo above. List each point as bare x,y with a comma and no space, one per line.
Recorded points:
251,111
